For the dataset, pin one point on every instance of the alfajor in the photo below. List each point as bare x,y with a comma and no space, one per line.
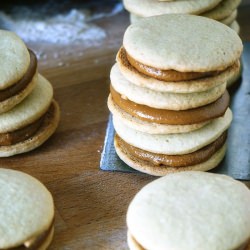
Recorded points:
18,72
224,11
26,212
190,211
168,93
31,122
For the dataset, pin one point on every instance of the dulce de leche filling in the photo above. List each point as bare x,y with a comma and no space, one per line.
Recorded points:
23,82
171,117
22,134
184,160
160,74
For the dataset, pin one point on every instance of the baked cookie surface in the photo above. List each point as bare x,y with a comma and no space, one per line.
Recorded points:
154,42
26,209
191,210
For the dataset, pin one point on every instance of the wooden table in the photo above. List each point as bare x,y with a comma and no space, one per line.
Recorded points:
90,204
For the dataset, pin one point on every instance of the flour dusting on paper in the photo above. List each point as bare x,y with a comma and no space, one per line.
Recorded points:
76,26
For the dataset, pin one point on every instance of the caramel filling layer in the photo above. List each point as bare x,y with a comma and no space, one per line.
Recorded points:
171,117
11,138
185,160
163,75
39,240
23,82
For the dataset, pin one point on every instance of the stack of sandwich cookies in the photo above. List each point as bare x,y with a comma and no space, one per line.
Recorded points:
224,11
168,97
26,212
28,113
190,211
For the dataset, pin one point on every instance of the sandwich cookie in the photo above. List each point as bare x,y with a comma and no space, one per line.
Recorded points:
161,154
31,122
170,58
18,73
184,211
26,212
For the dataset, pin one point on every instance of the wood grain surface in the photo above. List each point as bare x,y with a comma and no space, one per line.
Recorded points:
90,204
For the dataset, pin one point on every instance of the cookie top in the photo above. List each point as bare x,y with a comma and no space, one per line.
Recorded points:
26,208
29,110
192,211
184,43
14,58
154,7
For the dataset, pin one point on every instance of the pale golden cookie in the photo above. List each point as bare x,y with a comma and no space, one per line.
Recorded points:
26,210
190,210
14,59
216,46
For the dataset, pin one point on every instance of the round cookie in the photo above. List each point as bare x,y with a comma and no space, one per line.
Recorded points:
31,122
14,59
32,107
154,7
190,211
141,41
26,211
18,73
174,144
14,94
